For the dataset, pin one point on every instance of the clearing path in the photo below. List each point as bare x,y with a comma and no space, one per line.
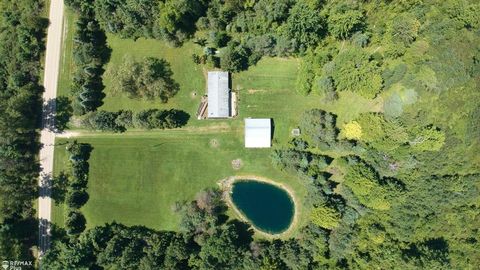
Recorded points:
47,136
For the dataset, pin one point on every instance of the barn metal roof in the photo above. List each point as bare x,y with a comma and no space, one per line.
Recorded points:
218,95
258,132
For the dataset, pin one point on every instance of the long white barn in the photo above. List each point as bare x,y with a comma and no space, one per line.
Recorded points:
219,95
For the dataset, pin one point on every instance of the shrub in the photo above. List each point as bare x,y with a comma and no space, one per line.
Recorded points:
352,130
76,198
149,79
102,120
235,57
325,217
74,222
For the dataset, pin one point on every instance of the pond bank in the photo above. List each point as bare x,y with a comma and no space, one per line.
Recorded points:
226,186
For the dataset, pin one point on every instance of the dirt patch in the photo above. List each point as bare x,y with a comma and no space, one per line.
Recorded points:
67,134
193,94
237,164
253,91
214,143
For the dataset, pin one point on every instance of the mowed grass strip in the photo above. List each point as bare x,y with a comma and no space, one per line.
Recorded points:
65,76
137,180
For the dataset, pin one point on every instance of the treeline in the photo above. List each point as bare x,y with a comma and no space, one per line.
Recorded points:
124,119
248,30
22,32
90,53
71,189
173,21
207,240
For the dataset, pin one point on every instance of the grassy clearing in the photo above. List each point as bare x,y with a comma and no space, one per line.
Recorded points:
268,90
136,177
349,106
188,75
136,180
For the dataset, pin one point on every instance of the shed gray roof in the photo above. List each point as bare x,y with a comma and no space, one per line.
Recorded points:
218,95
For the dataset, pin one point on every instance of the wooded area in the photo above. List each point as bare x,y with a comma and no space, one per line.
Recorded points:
396,187
22,32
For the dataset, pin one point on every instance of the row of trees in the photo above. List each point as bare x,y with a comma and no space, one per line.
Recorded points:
124,119
22,32
75,187
90,53
207,240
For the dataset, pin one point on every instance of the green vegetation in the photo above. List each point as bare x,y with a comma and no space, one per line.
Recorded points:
22,29
147,119
90,52
385,169
148,79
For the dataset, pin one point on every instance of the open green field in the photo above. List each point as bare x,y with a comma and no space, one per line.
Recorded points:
136,177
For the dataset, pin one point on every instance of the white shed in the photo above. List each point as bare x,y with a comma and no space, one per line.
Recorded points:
258,132
218,95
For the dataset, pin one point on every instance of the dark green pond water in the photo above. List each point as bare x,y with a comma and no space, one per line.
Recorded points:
267,207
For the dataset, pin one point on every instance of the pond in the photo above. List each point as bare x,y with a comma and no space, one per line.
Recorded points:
268,207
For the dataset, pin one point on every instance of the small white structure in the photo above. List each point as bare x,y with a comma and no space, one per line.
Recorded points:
218,95
258,133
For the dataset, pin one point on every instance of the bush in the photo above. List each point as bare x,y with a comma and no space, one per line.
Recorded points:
162,119
102,120
74,222
235,57
76,198
344,23
148,79
124,119
320,127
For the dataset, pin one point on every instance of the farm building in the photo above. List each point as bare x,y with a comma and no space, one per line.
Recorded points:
219,97
258,132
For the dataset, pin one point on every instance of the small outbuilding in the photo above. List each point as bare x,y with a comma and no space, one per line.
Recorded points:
219,97
258,132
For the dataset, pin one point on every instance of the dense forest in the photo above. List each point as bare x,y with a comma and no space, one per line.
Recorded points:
395,189
22,31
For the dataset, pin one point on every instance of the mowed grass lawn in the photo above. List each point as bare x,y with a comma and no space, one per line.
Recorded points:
137,179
